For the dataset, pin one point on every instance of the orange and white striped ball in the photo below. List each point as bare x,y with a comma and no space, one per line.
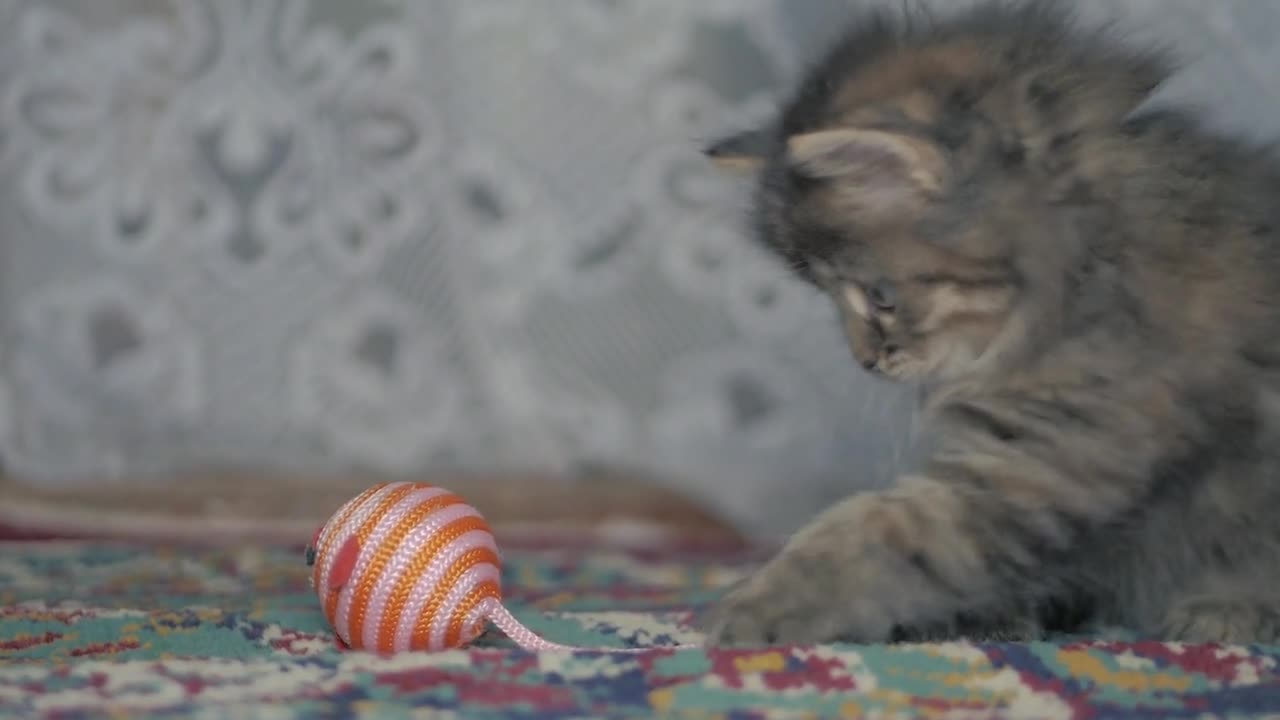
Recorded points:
406,566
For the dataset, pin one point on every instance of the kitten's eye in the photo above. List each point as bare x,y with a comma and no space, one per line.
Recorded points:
881,295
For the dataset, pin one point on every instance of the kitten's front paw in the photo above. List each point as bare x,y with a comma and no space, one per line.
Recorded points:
809,595
848,576
782,604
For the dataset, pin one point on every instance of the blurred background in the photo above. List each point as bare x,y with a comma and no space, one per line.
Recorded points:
311,239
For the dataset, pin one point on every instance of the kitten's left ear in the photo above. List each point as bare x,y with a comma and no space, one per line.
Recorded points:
742,153
882,170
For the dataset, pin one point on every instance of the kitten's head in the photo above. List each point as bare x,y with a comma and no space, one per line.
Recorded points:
932,179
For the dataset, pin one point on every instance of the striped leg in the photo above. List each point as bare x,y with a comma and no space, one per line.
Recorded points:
867,565
917,556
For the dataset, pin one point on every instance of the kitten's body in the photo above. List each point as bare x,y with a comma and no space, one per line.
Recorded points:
1092,301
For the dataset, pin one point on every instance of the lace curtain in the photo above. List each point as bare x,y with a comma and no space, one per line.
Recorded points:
439,233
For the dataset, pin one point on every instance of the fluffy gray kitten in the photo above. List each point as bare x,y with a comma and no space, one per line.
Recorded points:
1088,293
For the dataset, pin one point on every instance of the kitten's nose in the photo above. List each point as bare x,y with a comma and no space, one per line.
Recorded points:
869,363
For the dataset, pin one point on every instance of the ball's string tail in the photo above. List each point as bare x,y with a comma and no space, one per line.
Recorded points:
529,640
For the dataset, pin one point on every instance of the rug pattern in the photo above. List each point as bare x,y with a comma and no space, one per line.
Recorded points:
93,631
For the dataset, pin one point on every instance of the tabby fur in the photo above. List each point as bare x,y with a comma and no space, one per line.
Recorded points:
1086,289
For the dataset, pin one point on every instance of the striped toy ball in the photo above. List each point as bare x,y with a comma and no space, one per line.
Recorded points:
406,566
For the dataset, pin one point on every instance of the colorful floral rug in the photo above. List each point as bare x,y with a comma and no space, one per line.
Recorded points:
91,631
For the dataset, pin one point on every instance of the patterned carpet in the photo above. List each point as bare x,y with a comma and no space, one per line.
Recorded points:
92,631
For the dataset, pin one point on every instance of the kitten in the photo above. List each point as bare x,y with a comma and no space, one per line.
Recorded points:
1088,293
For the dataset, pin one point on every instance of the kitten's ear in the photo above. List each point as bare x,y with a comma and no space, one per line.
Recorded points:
742,153
881,170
